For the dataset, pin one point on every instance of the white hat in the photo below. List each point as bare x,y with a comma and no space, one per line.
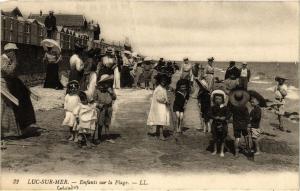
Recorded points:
105,77
10,46
134,54
127,52
219,92
147,59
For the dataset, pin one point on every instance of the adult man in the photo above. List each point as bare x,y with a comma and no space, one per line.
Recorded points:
232,71
245,75
23,111
126,78
50,24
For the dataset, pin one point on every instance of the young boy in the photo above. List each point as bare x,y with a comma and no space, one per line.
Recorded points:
240,114
220,114
255,118
104,97
280,94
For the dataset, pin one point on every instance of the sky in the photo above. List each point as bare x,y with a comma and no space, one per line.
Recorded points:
242,31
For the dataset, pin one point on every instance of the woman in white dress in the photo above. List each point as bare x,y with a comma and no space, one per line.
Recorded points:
209,74
159,114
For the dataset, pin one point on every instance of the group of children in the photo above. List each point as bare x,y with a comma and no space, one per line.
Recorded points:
86,117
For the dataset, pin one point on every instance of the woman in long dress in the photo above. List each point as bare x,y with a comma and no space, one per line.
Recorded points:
159,115
117,77
52,59
209,74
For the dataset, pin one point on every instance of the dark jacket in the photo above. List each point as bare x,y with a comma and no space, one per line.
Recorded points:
232,71
50,22
255,117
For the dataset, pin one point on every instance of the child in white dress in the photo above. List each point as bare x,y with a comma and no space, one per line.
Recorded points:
71,103
86,114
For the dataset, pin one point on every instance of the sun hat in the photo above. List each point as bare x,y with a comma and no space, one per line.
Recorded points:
262,101
239,97
278,77
202,83
218,92
134,54
147,59
10,46
105,78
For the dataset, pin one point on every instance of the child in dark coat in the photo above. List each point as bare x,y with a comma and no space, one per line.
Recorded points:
219,114
255,118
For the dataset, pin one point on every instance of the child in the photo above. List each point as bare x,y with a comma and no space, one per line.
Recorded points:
104,97
138,74
72,101
255,118
204,103
159,114
280,94
240,114
86,116
220,114
181,97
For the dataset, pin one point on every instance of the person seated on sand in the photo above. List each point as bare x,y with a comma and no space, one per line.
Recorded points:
255,118
280,94
220,114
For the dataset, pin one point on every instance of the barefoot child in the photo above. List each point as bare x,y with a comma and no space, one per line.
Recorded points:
104,97
87,117
255,118
72,101
159,115
181,97
204,103
240,114
219,114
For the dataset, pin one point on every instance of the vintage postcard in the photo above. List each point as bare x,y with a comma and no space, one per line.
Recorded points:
149,95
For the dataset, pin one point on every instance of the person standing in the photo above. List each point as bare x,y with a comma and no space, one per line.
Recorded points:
107,65
280,91
147,72
52,59
186,69
50,24
23,112
159,115
232,71
209,73
245,75
195,73
126,78
76,64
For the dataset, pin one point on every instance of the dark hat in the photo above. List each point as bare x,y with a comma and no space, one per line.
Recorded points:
162,77
239,97
262,101
280,78
211,59
73,84
232,62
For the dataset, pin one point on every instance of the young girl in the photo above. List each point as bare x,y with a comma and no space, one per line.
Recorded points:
219,114
104,97
181,97
87,116
159,114
255,118
72,101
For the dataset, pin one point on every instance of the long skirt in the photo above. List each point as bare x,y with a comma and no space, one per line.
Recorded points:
9,125
117,78
210,81
52,78
126,78
24,113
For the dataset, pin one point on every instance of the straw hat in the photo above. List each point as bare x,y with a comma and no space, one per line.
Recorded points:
147,59
105,78
280,77
221,93
10,46
134,54
202,83
239,98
